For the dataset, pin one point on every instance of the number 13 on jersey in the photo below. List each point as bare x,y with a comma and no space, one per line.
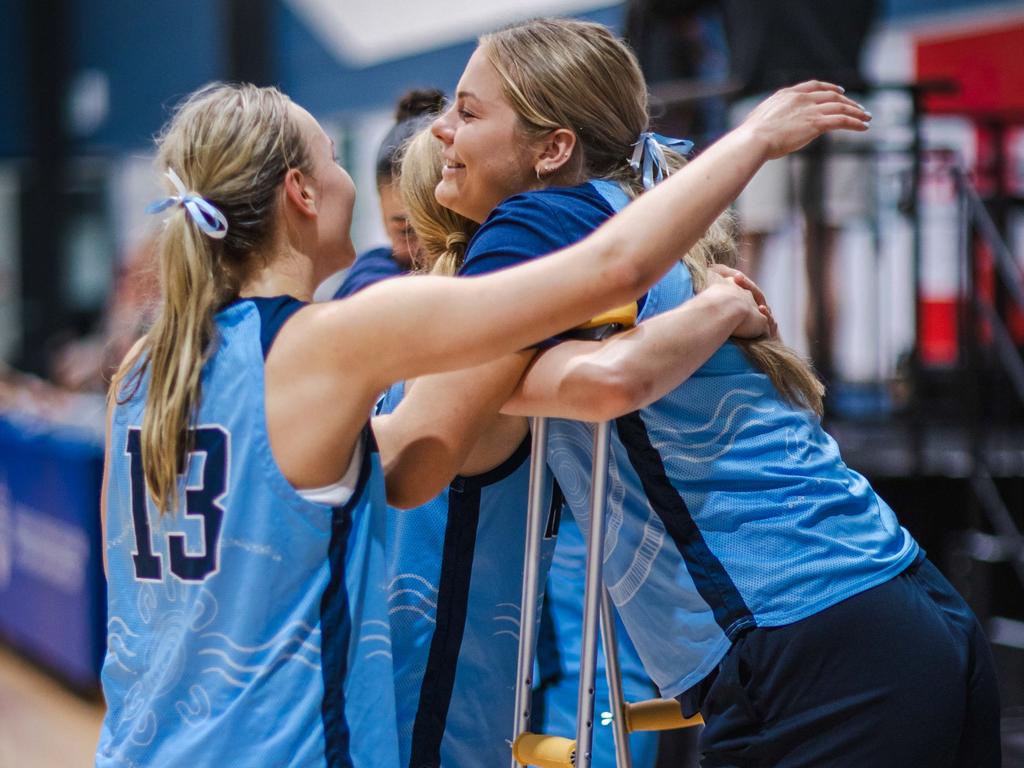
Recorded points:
202,500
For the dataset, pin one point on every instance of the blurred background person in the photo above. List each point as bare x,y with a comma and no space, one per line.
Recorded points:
698,53
415,109
772,45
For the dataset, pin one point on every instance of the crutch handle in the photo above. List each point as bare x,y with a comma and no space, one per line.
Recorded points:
658,715
542,751
625,316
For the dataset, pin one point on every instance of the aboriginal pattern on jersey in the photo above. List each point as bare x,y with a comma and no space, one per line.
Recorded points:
244,600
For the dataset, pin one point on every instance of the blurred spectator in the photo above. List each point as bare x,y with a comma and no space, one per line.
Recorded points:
680,41
751,47
86,364
771,45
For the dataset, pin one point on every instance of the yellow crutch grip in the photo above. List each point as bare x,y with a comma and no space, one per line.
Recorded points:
542,751
658,715
624,316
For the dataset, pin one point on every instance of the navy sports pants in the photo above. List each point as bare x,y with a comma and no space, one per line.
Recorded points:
900,675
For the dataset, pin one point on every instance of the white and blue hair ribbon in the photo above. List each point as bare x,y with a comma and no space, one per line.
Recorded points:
212,222
649,156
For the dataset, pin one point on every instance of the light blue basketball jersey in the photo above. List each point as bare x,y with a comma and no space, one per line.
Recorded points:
249,627
728,508
455,570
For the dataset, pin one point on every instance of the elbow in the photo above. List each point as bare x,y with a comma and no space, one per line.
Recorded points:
419,472
603,392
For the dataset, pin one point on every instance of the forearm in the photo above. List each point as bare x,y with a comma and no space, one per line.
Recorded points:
588,381
611,267
674,215
431,436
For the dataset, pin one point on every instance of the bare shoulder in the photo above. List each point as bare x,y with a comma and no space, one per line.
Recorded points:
317,395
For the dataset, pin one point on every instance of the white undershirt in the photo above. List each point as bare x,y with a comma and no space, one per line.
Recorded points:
337,494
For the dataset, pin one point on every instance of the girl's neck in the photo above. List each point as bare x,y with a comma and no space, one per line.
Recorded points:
284,273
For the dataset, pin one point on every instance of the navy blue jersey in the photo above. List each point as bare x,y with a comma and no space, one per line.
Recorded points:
373,266
248,626
455,571
533,224
728,508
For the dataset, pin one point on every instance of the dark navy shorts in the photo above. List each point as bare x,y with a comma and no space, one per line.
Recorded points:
900,675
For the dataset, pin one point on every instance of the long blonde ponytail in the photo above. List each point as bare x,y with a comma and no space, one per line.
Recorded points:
791,375
231,145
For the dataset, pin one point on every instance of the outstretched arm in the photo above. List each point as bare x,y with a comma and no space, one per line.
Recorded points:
347,351
448,424
495,314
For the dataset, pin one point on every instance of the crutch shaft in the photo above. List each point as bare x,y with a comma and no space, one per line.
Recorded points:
531,573
613,671
592,597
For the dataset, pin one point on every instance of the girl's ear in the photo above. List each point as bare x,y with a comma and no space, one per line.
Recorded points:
554,152
299,193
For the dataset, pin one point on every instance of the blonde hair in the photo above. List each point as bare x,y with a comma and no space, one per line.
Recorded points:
443,234
562,73
233,145
791,375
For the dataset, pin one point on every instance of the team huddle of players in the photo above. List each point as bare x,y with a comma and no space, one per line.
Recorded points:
291,584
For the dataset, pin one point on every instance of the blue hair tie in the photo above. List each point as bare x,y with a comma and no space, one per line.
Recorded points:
211,221
649,156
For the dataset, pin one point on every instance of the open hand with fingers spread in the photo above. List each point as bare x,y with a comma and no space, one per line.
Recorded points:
793,117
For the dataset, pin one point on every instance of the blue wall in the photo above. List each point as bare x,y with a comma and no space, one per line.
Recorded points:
13,73
900,9
154,53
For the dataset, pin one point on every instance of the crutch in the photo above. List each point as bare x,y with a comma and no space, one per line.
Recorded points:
627,718
547,751
553,751
534,748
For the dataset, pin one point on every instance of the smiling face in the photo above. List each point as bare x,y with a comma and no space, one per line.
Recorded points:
487,158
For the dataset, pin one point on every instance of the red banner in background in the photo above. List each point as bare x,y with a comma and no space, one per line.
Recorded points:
988,66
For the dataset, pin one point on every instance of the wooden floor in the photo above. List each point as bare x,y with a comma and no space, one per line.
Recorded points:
42,725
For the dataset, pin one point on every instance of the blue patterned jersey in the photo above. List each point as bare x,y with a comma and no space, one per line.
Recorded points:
248,627
455,569
728,508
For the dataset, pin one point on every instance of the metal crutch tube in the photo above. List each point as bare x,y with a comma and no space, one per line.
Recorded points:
616,697
592,597
531,571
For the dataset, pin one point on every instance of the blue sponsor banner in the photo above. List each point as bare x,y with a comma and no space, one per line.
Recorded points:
52,599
